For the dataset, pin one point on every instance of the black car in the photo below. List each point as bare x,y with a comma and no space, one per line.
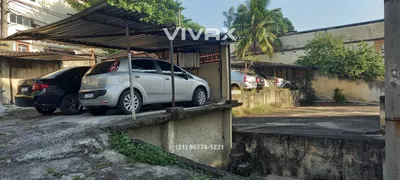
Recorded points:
58,89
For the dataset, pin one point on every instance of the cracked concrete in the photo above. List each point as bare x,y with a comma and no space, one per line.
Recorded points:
33,146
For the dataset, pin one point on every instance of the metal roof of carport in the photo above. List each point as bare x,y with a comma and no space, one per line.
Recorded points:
103,25
44,56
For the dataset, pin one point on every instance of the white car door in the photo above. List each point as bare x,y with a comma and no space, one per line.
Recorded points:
152,83
183,87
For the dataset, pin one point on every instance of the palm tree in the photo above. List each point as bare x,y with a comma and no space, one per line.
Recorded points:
257,26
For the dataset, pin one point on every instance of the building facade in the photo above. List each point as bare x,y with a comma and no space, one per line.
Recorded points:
27,14
371,32
39,57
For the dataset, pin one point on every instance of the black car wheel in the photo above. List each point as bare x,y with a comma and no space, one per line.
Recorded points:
45,111
235,87
70,105
98,111
125,102
199,97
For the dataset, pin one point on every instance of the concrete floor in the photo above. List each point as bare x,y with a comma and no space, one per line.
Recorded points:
15,116
335,122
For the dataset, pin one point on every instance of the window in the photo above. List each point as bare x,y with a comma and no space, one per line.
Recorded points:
146,66
13,18
55,73
22,47
100,68
20,20
26,22
167,67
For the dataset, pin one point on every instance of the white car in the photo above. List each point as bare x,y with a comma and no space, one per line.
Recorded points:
106,85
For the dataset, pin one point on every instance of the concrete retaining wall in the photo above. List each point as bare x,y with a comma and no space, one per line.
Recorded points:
356,90
306,157
268,96
204,138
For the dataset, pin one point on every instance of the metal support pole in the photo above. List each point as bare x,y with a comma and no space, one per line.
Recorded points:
171,57
392,89
229,63
128,49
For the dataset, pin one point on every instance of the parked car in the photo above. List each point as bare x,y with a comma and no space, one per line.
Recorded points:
58,89
290,85
259,80
276,81
106,85
240,80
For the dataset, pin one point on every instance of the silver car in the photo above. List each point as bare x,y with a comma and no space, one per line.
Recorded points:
106,85
242,81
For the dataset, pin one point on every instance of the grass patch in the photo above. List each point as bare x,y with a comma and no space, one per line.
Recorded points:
149,154
141,152
258,110
78,178
53,172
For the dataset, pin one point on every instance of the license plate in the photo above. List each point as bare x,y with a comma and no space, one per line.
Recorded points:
25,89
89,95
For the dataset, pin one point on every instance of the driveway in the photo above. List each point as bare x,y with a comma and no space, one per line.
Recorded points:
14,115
34,146
336,122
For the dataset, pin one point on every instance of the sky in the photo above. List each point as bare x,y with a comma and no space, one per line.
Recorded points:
304,14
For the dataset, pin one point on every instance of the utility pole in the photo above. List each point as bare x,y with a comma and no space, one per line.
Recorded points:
3,19
392,89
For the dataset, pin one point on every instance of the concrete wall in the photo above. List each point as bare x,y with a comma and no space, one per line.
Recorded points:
268,96
210,72
354,90
204,129
293,44
352,33
76,63
306,157
22,69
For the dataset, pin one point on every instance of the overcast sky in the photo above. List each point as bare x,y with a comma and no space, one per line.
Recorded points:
305,14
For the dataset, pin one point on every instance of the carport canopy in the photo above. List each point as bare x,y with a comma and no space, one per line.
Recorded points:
104,25
107,26
44,56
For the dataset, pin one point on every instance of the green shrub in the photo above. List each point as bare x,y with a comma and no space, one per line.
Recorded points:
339,96
141,152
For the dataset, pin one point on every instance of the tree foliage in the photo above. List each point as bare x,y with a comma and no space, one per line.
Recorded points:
331,56
157,11
230,16
257,27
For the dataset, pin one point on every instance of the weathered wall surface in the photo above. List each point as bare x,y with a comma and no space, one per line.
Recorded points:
268,96
356,90
210,72
363,32
42,12
76,63
180,136
22,69
293,44
306,157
